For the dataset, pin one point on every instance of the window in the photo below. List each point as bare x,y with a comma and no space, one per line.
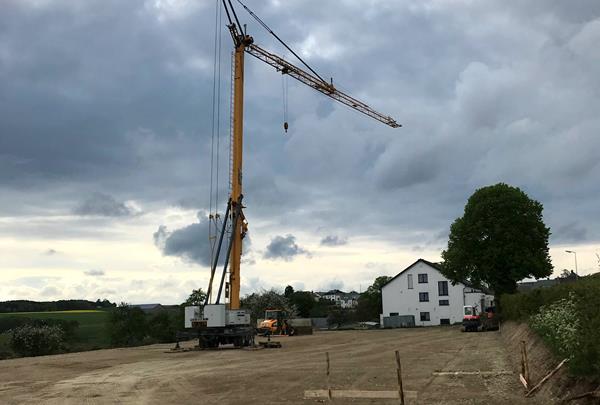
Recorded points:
444,321
410,281
422,278
442,288
425,316
444,303
424,297
393,313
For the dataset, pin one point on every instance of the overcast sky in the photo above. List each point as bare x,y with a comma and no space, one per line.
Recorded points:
105,139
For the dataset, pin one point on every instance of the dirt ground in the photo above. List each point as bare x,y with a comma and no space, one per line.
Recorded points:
360,360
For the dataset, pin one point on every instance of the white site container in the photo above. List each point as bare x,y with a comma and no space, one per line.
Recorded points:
191,313
215,315
238,317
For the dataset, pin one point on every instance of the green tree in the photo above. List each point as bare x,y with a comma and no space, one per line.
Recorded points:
127,326
289,290
338,317
500,239
197,297
369,303
162,327
256,303
303,301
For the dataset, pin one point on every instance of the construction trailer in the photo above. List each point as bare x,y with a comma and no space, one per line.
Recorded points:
220,320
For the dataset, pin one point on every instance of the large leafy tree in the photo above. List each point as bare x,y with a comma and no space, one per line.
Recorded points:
500,239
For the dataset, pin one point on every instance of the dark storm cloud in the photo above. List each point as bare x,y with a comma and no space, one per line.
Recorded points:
570,232
116,96
189,243
285,248
333,240
103,205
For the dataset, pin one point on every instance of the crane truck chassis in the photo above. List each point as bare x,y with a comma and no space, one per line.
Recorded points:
216,325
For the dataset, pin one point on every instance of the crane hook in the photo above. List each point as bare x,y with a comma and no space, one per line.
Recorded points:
285,126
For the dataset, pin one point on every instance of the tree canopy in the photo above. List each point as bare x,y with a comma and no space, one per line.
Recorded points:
257,303
197,297
369,303
500,239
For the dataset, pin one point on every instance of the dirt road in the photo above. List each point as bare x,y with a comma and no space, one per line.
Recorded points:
360,360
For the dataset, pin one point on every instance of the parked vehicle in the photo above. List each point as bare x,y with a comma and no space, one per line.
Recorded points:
473,321
276,323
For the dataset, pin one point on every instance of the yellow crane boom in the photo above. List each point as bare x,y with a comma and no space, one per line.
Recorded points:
310,80
245,44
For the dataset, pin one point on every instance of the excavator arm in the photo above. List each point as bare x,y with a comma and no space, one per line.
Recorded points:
316,83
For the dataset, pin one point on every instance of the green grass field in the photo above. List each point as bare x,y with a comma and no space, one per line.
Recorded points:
92,332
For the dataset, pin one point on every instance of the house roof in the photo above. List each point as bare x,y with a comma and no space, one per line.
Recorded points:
146,307
427,262
438,267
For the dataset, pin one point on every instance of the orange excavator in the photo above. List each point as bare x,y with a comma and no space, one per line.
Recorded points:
276,323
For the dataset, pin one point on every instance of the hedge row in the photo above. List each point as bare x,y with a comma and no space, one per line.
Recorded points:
567,317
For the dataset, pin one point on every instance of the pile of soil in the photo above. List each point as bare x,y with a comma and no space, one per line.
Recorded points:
561,385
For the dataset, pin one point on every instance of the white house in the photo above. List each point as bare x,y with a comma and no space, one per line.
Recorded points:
349,300
340,298
422,291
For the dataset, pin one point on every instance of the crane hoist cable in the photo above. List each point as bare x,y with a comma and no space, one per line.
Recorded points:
266,27
213,216
285,91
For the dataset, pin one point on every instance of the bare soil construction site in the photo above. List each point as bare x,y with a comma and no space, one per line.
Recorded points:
440,365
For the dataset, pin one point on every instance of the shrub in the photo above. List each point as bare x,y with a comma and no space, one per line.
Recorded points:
30,340
566,316
162,327
127,326
69,327
558,324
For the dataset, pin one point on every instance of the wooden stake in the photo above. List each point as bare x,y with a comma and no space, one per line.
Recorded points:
543,380
522,361
526,362
399,373
328,384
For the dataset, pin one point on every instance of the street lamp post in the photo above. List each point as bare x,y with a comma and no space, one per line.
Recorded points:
575,253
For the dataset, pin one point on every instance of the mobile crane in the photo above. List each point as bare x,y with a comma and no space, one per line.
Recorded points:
219,323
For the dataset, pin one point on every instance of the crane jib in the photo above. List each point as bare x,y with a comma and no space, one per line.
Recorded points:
328,89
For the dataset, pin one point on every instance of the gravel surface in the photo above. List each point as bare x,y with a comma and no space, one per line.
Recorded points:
360,360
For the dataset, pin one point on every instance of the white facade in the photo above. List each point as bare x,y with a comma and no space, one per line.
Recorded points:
340,298
422,291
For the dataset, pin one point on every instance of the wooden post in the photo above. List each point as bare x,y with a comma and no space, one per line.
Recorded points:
525,362
328,384
522,363
543,380
399,373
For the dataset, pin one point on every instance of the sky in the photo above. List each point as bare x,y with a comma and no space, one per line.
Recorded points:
106,133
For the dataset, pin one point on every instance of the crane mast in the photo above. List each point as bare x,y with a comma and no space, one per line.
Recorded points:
239,228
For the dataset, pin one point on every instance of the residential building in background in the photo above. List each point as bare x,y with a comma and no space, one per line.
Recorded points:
346,300
421,291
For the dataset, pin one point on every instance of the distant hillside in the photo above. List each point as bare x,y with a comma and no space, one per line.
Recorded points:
61,305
